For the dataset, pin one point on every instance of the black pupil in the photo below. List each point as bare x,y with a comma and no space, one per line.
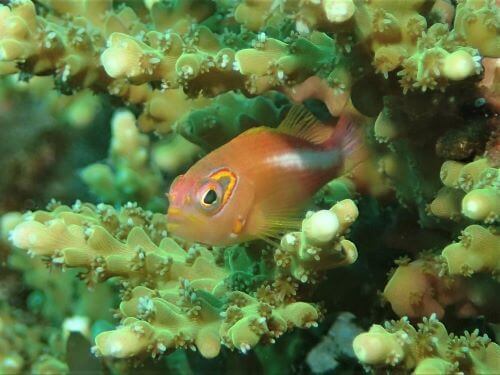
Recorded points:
210,197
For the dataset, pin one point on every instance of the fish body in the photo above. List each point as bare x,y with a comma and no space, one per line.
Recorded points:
256,185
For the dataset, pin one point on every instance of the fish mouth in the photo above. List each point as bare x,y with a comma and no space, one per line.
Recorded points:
173,211
174,219
173,224
173,215
171,227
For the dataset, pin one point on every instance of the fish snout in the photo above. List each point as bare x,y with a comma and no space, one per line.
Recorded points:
172,228
174,218
173,212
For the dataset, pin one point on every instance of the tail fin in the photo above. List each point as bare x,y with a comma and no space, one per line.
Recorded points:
348,137
344,136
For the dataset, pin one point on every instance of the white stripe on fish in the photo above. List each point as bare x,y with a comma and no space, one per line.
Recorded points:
306,159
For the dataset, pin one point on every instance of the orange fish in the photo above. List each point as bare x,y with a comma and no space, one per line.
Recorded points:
257,185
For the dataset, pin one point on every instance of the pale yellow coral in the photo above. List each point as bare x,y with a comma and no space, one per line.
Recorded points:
166,324
26,347
338,11
174,154
458,65
477,251
131,175
127,57
478,22
68,49
398,346
75,235
482,204
164,109
471,192
273,63
172,59
175,298
71,46
17,28
447,204
320,245
385,128
470,189
253,14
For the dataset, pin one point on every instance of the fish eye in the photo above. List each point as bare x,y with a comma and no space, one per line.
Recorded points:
210,197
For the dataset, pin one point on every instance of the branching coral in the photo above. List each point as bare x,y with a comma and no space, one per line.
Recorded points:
73,236
478,23
67,49
193,60
407,73
471,190
174,153
131,175
118,51
25,346
78,110
423,287
179,298
41,150
477,251
396,33
398,346
68,45
432,284
306,252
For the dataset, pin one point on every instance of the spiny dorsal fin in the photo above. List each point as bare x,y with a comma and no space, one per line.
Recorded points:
301,123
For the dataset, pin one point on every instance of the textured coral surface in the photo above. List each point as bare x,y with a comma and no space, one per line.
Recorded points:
104,103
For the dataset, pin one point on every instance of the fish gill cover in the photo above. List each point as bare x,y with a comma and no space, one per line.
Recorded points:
104,103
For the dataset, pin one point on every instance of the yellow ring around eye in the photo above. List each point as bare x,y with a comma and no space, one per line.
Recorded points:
228,180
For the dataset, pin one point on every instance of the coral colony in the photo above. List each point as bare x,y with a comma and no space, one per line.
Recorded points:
393,266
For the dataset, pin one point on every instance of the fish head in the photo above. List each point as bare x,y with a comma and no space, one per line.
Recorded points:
210,207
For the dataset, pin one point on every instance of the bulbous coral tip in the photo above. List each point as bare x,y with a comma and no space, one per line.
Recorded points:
368,349
77,323
481,203
242,336
12,364
338,11
122,57
458,65
113,61
302,314
321,227
22,235
150,3
118,344
8,222
350,250
208,343
122,118
3,54
433,366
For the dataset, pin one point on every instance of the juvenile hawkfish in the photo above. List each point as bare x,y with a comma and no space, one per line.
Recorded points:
257,185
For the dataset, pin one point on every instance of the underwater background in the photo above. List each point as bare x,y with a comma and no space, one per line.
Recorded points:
395,267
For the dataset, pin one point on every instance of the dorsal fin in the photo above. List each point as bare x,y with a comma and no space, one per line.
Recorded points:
301,123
